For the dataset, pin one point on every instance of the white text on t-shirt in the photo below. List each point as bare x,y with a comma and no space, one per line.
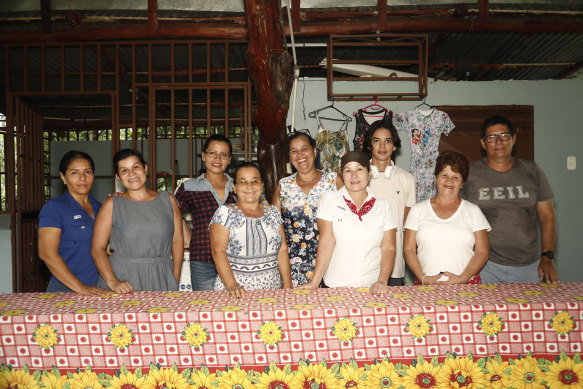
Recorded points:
501,193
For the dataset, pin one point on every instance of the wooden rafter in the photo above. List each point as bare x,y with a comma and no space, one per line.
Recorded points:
327,23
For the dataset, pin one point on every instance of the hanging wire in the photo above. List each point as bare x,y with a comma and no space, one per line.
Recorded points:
296,68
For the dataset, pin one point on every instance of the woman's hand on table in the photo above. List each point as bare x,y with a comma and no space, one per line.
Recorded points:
237,291
428,280
120,287
379,287
452,279
308,285
92,291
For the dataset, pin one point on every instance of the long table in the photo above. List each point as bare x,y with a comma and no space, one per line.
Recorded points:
42,330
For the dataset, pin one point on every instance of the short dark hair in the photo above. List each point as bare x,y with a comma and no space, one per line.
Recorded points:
493,120
456,161
126,153
243,165
298,134
367,145
72,155
217,138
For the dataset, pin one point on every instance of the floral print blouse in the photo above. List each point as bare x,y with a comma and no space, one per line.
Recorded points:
298,211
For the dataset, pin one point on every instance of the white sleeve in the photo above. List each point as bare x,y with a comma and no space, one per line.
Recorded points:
389,217
412,222
410,197
221,216
479,221
327,204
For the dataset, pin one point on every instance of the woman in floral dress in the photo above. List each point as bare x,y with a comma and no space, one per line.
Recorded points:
298,196
247,239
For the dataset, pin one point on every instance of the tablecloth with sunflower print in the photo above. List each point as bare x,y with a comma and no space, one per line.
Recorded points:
186,329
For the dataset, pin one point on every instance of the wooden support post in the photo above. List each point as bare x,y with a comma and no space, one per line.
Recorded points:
45,11
152,15
271,70
295,12
382,9
484,10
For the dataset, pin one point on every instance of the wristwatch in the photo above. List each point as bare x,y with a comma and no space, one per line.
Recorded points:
549,254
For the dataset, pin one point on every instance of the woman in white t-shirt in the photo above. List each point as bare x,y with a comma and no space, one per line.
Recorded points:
357,232
446,237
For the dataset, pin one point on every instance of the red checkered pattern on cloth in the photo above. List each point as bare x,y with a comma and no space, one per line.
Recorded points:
307,322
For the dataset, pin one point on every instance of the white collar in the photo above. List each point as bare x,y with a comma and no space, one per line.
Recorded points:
389,171
344,192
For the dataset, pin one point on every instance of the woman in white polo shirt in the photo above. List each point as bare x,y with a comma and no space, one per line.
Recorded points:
357,232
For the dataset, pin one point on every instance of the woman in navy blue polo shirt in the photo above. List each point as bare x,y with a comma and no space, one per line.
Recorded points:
66,229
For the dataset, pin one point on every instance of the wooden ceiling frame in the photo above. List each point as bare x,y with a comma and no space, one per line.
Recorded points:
418,42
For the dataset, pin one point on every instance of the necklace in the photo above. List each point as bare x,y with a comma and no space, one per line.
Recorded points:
307,181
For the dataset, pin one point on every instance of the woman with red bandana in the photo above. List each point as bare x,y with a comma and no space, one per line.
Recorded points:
357,232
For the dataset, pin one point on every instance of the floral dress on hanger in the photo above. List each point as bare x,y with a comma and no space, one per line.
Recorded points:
424,129
332,145
298,211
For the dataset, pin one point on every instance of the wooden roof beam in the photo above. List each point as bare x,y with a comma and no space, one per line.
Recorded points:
224,31
576,68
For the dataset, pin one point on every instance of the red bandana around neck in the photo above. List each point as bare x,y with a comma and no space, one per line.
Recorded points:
366,207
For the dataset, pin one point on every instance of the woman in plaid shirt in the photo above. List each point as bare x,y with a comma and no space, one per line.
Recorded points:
200,197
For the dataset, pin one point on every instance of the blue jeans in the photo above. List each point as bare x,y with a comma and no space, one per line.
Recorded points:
202,275
57,286
494,273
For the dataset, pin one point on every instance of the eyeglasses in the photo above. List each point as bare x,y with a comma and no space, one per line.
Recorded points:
214,154
494,137
252,183
296,132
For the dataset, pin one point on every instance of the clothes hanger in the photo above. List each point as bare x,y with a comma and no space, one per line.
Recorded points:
314,114
377,108
429,108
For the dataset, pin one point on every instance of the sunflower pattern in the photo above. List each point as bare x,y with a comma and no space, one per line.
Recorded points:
121,336
562,323
383,375
422,374
446,302
195,334
564,373
491,324
270,333
236,378
274,377
345,329
419,327
46,336
72,331
525,373
461,372
454,372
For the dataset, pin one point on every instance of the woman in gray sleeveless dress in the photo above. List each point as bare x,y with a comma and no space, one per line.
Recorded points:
144,232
